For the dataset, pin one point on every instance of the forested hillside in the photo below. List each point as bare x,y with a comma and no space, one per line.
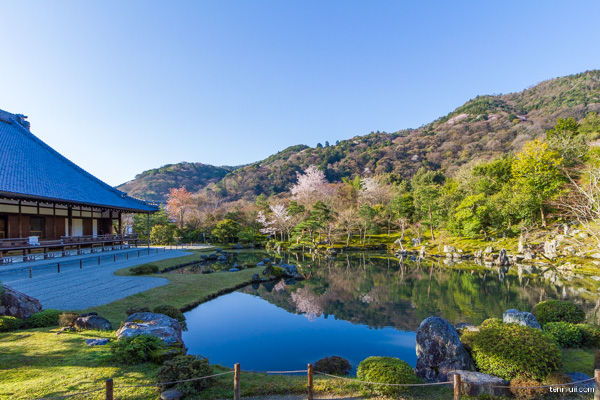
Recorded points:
482,128
154,184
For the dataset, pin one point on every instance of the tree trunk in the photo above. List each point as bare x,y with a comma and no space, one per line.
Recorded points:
348,239
543,216
431,223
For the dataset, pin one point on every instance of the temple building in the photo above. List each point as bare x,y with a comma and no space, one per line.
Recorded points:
49,203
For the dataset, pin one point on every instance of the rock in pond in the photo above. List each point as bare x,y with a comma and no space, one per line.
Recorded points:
17,304
477,384
92,321
465,327
96,342
255,278
439,350
234,269
524,318
165,328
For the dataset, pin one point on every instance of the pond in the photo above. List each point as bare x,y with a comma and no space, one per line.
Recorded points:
362,304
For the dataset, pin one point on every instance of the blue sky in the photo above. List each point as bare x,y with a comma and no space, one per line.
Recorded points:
120,87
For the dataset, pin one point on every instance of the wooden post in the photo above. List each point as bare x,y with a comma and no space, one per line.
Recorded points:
148,229
81,263
114,258
236,381
309,372
457,386
98,260
109,389
58,268
597,384
30,272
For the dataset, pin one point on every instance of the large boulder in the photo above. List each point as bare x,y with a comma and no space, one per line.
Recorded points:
439,350
16,304
502,259
524,318
477,384
165,328
92,321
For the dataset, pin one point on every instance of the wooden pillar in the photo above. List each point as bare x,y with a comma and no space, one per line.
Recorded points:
119,223
54,236
457,386
69,221
148,228
236,381
309,372
109,389
20,220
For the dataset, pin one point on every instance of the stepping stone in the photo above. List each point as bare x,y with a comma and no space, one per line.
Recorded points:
96,342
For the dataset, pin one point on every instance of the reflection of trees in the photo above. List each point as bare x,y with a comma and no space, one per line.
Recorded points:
378,291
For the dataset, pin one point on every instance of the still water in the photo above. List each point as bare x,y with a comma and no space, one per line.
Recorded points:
359,305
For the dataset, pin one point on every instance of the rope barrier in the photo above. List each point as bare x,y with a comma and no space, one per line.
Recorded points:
281,372
317,372
385,384
174,382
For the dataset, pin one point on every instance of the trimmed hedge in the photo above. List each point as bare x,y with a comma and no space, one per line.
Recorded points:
144,269
558,310
385,370
135,349
510,351
333,365
8,323
67,319
44,318
186,367
492,322
565,334
172,312
590,335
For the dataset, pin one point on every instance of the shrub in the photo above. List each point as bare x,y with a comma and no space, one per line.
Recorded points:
565,334
558,310
144,269
44,318
67,319
173,313
136,349
467,339
522,389
492,322
333,365
8,323
510,351
186,367
277,272
590,335
385,370
134,310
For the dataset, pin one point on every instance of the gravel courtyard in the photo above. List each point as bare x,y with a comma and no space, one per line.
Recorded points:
93,285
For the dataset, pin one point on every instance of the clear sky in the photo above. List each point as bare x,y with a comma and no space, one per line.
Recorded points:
123,86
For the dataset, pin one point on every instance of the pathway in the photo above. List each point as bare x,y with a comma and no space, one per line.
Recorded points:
92,285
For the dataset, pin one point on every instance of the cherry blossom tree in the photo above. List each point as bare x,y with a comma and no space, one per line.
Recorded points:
179,204
312,185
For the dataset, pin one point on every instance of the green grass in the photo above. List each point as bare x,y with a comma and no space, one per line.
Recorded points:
171,262
183,291
38,362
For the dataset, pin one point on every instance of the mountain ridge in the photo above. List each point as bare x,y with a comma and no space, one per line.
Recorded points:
481,128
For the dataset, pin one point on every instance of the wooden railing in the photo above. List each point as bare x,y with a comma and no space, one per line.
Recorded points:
23,244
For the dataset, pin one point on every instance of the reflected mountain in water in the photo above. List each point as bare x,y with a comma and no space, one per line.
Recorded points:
379,291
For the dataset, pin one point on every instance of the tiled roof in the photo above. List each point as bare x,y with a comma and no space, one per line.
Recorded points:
31,168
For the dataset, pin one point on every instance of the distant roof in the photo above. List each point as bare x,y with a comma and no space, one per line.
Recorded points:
31,168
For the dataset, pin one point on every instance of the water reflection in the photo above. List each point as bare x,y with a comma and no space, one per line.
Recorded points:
378,291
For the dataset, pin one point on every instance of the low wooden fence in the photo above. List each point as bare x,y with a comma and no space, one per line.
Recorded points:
93,260
456,383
